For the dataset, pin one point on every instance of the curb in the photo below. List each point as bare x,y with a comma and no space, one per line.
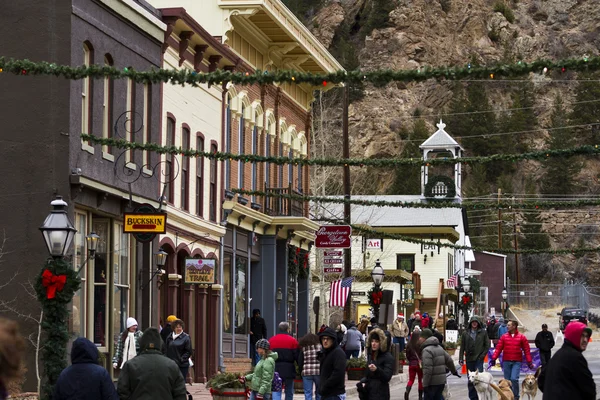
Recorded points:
396,380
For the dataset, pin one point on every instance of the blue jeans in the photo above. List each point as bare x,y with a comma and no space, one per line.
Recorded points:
473,366
289,388
266,396
276,395
352,353
307,382
512,369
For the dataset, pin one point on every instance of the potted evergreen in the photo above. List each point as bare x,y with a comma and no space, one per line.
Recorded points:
356,368
450,347
226,386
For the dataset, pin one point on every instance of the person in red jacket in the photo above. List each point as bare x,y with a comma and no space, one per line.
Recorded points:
512,345
286,348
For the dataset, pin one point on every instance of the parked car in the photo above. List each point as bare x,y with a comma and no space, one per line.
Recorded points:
569,314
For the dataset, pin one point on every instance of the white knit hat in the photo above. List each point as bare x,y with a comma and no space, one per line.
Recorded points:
131,322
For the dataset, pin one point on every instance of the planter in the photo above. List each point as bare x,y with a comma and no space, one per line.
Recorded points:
298,386
242,200
356,374
228,394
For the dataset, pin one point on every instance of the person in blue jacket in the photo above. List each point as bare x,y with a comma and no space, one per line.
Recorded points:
84,379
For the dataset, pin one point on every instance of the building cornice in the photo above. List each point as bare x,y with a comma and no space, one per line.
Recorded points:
139,16
194,224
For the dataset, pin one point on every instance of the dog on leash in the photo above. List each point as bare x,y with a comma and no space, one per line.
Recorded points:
529,387
483,384
504,390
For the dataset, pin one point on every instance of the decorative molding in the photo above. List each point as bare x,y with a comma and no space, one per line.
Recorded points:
213,62
184,40
230,13
199,56
170,21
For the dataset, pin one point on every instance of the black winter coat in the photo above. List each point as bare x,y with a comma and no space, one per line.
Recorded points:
378,381
333,368
567,376
544,341
84,379
258,327
180,349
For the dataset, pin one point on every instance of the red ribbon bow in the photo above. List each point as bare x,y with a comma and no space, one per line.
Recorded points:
52,283
377,297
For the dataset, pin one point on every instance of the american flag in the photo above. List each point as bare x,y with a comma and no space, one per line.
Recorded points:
453,281
339,292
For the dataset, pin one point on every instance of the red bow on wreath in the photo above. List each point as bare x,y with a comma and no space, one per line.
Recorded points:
466,299
377,297
52,283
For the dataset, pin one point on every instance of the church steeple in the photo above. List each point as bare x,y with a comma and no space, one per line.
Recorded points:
441,186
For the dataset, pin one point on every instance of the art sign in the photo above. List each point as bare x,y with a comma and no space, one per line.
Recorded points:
199,270
333,237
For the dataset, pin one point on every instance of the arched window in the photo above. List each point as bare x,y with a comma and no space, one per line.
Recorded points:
255,164
267,154
169,173
199,176
213,185
241,149
87,90
228,143
147,131
107,105
185,168
290,167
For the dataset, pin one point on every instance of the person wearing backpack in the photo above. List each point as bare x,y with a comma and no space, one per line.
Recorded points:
261,380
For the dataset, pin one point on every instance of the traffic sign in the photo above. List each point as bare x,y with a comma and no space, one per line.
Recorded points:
333,237
332,269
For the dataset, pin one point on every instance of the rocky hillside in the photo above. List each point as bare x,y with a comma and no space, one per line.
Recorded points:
411,34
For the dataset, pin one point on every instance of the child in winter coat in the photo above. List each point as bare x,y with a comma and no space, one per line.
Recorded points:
262,377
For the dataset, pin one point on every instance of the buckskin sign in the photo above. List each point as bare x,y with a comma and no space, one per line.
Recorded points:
144,223
333,237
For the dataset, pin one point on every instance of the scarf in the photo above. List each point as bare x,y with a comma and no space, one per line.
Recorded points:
129,348
175,336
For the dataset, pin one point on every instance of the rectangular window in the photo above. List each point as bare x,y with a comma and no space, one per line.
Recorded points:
254,164
227,295
121,264
290,168
79,304
280,165
405,262
213,186
200,177
107,106
86,96
228,146
168,174
267,164
241,266
147,131
185,170
99,296
300,183
450,265
242,150
130,122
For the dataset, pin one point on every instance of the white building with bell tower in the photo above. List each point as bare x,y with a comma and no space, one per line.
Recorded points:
441,186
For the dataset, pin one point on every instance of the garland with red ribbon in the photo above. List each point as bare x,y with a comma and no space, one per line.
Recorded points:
375,295
466,300
55,286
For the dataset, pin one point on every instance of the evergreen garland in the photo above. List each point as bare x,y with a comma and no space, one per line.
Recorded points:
376,77
374,296
339,162
447,181
56,316
293,253
303,264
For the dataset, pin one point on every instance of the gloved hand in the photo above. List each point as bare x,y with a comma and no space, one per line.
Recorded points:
242,380
115,365
530,365
492,362
460,362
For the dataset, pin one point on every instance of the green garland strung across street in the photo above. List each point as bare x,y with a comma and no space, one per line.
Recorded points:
508,205
377,77
357,162
374,233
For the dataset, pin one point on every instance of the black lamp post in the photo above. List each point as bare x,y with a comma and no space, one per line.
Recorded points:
505,301
377,275
464,287
160,258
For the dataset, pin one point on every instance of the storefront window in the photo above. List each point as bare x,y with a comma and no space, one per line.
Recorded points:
120,279
240,294
78,315
101,263
227,294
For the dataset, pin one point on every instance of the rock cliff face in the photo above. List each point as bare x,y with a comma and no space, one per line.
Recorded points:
422,33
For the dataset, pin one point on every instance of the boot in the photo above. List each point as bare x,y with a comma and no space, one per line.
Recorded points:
407,392
420,394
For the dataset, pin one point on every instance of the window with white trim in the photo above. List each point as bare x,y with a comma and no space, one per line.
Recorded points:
185,169
199,177
120,292
107,105
254,164
228,144
241,149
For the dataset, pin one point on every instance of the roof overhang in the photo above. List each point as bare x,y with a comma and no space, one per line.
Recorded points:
391,275
446,232
286,38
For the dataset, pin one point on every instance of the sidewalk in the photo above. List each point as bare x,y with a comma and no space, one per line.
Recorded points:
200,392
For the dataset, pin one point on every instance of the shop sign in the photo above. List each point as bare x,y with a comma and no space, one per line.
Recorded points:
144,223
333,237
330,270
374,244
199,270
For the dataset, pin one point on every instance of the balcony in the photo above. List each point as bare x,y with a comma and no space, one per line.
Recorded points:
276,206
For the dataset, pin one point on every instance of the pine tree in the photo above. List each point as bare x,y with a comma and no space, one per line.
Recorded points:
559,177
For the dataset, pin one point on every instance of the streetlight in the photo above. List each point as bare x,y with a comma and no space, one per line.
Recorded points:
505,300
377,275
57,230
160,258
466,284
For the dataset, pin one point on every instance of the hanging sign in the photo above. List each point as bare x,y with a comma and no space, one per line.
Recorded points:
199,270
144,223
374,244
333,237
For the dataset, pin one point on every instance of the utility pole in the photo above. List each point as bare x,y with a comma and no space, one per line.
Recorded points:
499,220
347,220
516,241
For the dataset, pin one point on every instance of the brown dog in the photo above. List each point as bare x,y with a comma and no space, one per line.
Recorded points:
504,390
529,387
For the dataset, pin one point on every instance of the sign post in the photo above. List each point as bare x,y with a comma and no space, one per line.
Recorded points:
336,237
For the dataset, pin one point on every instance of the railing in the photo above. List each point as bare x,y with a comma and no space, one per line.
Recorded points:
283,207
